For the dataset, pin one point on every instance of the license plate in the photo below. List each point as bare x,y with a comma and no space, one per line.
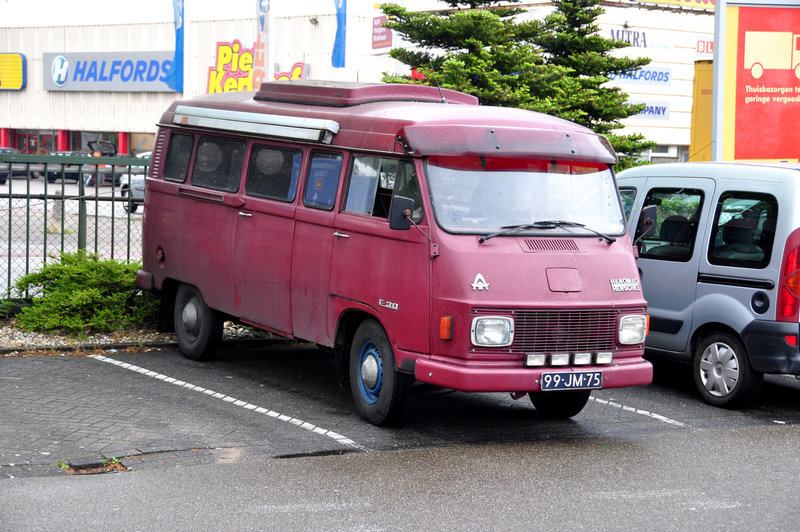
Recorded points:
572,380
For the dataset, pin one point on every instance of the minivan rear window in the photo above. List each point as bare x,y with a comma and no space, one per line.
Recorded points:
743,230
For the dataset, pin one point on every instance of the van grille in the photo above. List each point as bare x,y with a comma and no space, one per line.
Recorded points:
560,331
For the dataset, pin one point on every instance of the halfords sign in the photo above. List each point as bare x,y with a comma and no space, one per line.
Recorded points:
107,71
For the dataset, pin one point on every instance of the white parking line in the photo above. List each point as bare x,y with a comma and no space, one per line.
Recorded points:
633,410
236,402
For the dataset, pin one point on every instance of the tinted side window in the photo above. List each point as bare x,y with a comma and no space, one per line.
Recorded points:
676,227
323,180
218,164
743,230
374,180
179,152
273,173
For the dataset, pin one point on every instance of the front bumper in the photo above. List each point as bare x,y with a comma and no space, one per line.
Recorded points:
625,372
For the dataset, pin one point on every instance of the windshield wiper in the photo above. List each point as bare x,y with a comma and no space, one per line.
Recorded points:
543,224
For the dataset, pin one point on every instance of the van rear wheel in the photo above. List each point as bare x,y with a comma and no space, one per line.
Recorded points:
559,405
378,389
198,328
722,372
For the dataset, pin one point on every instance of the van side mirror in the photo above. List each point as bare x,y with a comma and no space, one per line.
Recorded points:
646,224
400,213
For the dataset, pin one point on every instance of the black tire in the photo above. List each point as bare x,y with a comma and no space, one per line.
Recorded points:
198,328
559,405
722,372
378,389
129,205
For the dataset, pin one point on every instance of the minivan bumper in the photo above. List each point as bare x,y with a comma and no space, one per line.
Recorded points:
630,372
768,350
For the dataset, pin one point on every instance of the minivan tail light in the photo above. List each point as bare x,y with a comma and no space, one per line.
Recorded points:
789,284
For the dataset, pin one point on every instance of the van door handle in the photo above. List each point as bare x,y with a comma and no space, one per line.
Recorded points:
245,214
340,235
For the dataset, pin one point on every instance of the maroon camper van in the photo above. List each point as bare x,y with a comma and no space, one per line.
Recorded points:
415,233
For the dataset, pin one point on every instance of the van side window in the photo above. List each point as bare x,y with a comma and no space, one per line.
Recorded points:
743,230
176,166
627,195
323,180
273,173
218,164
676,227
407,185
374,180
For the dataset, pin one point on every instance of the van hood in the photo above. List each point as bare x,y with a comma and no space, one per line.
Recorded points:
538,272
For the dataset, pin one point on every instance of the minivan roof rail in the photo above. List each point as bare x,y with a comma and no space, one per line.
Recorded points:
338,94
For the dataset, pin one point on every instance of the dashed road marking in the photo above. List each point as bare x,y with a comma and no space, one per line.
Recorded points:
639,411
236,402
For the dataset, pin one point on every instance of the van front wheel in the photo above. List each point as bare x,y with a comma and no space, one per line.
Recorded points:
378,388
722,372
198,328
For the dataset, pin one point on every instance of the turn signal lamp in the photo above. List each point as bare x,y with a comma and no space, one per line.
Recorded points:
446,327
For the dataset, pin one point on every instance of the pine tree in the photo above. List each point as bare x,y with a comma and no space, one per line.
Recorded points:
479,48
571,39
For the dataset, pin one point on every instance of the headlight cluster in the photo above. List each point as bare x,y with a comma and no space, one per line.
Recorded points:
492,331
632,329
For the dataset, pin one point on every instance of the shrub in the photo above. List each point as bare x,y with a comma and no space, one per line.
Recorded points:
81,293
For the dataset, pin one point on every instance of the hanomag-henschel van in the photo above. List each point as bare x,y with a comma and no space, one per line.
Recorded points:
415,233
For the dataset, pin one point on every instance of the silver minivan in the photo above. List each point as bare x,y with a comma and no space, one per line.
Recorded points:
719,259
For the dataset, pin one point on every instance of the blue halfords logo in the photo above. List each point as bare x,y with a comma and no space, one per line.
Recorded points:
60,70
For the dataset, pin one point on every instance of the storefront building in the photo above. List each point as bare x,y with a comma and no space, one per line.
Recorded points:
63,86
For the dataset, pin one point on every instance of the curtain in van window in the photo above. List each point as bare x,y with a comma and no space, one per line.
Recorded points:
273,173
218,164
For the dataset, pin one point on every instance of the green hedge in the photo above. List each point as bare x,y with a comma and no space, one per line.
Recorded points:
80,293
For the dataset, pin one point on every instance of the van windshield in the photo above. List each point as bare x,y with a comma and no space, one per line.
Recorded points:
473,194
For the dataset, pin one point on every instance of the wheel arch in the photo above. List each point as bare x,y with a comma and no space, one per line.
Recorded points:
711,328
346,327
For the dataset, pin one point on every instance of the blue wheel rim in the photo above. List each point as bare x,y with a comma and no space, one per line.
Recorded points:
370,358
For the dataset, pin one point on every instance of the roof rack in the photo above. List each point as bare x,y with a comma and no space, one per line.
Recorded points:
339,94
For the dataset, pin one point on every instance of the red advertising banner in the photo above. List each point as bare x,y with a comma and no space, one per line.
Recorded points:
767,83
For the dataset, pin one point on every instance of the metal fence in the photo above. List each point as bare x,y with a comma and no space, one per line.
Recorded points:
51,204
